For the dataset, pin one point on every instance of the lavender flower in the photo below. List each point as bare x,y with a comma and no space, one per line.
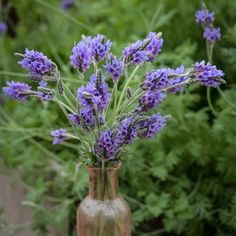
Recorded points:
135,53
37,64
95,93
149,128
156,80
67,4
17,90
59,135
45,96
155,45
150,100
212,34
105,148
142,51
123,135
100,47
87,117
114,68
177,78
207,74
75,119
204,17
3,27
81,57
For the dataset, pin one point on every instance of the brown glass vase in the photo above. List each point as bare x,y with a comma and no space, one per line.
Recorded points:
103,212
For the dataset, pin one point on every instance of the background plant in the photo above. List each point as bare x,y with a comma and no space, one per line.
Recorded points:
189,179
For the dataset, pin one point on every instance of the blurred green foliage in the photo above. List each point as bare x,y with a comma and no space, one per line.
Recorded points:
180,183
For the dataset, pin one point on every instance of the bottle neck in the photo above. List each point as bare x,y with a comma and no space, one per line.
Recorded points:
103,183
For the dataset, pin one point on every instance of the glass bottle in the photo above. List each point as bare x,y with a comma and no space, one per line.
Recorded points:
103,212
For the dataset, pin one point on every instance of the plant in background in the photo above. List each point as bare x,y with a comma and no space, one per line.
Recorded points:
211,34
105,120
3,27
67,4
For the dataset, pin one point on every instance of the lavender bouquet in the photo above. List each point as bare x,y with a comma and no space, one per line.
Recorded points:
106,114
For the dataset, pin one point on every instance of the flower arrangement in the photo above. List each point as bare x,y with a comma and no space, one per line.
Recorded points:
105,115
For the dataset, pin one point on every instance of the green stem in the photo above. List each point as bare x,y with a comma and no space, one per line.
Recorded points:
60,103
76,21
225,98
75,130
209,49
70,93
125,87
208,94
115,95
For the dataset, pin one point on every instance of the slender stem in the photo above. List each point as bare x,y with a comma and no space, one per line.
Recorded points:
209,49
69,102
70,93
125,87
76,21
75,130
59,102
110,102
225,98
115,95
208,94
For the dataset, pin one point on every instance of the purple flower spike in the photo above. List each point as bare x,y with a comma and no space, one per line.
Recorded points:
156,80
37,64
45,96
135,53
75,119
105,148
204,17
59,135
95,93
87,117
155,45
207,74
17,90
67,4
3,27
122,136
114,68
212,34
100,47
142,51
176,79
149,128
81,57
150,100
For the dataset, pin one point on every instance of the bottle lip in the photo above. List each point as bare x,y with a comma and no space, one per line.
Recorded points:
112,168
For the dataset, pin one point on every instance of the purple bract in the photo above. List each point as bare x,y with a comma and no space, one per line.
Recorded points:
37,64
212,34
207,74
81,57
150,100
204,17
95,94
75,119
100,47
59,135
149,128
114,67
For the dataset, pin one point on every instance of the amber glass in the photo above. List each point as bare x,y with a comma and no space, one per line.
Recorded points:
103,212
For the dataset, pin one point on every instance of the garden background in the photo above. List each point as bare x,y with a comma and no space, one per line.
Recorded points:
183,182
